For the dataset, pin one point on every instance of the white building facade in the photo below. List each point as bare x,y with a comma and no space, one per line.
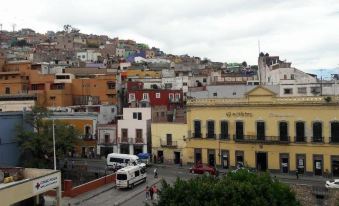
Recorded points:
134,131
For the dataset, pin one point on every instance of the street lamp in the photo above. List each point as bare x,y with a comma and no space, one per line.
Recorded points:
54,156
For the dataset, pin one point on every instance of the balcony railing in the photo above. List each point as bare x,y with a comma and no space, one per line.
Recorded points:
87,137
196,135
165,143
300,139
106,143
125,140
224,136
174,100
261,140
334,140
210,136
138,140
317,139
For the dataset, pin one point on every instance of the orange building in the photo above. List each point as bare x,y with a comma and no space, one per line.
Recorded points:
100,90
19,78
86,124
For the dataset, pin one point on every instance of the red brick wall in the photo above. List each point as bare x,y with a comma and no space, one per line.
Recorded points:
70,191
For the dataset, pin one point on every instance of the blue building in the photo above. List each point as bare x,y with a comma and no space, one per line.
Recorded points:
9,150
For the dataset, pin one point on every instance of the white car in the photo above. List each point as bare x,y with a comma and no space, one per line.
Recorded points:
332,183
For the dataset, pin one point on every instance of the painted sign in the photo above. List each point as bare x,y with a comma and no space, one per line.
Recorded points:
238,114
44,184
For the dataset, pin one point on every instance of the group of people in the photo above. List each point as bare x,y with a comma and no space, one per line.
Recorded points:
151,192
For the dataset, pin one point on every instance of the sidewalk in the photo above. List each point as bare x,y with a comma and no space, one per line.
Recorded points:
118,199
278,175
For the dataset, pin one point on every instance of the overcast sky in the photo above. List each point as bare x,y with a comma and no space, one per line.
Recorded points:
305,32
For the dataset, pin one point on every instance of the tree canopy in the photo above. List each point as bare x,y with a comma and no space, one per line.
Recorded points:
37,146
241,188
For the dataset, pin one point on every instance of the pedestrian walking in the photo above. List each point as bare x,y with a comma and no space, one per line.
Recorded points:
147,193
297,174
72,164
151,192
155,192
155,173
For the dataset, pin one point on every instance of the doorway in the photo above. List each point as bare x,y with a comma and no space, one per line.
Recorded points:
239,159
160,156
176,157
124,149
138,149
301,164
335,166
261,161
211,157
318,165
284,163
224,159
197,156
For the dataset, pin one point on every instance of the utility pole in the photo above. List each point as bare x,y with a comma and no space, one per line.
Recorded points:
0,27
53,131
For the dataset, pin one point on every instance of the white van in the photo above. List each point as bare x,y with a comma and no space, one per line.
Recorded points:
130,176
117,161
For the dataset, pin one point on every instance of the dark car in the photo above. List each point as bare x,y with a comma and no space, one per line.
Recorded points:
203,169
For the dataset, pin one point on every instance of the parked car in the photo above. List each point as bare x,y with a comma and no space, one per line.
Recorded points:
203,169
332,183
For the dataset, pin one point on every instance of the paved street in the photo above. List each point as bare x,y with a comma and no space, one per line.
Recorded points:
136,196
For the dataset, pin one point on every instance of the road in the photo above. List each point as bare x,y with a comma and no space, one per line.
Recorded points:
114,196
169,173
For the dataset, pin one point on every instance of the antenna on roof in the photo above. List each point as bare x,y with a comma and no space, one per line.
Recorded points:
13,26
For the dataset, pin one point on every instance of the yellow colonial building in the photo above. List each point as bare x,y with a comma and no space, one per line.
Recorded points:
169,141
264,131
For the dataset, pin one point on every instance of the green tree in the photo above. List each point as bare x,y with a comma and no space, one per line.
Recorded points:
37,146
241,188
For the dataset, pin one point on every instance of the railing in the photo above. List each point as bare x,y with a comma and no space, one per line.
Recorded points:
300,139
174,100
210,136
125,140
106,143
224,136
138,140
196,135
318,139
165,143
88,137
334,140
262,140
278,100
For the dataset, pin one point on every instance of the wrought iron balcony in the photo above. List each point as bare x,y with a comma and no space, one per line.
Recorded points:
224,136
125,140
138,140
261,140
210,135
165,143
88,137
196,135
300,139
317,139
